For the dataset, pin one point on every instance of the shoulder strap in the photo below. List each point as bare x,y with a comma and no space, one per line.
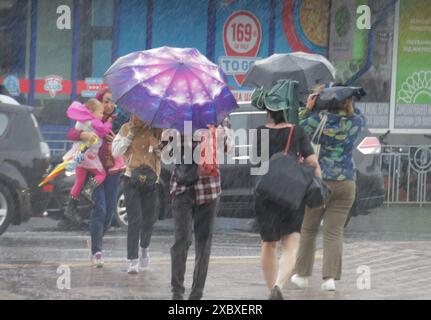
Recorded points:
319,130
289,140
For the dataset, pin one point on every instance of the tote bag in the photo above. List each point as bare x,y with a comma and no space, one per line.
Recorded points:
318,134
287,179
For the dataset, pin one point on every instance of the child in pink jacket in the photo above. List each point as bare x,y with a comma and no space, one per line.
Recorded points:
88,117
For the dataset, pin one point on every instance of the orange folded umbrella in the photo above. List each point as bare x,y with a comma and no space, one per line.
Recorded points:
62,166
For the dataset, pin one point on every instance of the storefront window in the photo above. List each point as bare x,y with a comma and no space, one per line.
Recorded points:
53,85
13,43
102,13
96,36
133,26
102,57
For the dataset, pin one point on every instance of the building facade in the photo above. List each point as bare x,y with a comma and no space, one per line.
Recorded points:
47,62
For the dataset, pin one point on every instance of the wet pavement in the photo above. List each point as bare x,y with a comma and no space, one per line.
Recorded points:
392,246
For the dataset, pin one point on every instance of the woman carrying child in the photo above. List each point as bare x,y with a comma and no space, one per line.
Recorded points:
88,118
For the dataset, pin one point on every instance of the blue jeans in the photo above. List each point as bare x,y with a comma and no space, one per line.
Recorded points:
105,205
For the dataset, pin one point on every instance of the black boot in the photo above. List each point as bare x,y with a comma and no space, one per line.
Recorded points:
88,189
71,212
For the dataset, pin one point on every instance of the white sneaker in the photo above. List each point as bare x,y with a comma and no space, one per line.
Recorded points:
133,266
328,285
144,260
98,260
300,282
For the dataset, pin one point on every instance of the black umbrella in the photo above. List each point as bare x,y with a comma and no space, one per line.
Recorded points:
334,97
309,69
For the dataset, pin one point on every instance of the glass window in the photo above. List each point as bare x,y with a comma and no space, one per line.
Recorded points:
4,121
53,64
102,13
14,46
102,55
95,47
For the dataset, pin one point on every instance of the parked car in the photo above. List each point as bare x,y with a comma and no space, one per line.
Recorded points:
24,159
8,100
237,199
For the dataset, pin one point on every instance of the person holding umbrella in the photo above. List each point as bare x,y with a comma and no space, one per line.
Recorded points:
308,69
196,190
167,88
343,126
139,144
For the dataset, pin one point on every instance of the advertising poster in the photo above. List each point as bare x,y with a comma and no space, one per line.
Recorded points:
343,13
12,85
413,91
242,37
302,25
91,87
355,52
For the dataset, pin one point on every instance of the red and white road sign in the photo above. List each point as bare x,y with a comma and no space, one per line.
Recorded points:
242,35
370,145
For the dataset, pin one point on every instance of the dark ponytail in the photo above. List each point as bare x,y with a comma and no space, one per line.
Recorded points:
277,116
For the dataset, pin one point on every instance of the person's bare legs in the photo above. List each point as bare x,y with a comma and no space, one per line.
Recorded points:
289,245
269,263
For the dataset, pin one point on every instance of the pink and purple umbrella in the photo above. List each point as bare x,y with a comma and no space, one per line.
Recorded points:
167,86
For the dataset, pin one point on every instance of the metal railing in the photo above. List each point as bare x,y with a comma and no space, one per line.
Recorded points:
55,137
58,147
407,174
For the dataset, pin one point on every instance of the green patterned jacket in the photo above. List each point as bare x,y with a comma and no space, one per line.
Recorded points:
337,141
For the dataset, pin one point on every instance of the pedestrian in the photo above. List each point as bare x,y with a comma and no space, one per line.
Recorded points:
140,145
105,196
88,118
343,126
276,223
194,207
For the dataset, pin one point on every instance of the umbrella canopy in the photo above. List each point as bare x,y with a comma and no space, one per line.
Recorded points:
167,86
308,69
332,98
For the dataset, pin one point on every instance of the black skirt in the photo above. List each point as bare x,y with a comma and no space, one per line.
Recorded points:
275,222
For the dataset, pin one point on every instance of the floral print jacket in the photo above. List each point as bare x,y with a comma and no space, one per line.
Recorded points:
337,141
